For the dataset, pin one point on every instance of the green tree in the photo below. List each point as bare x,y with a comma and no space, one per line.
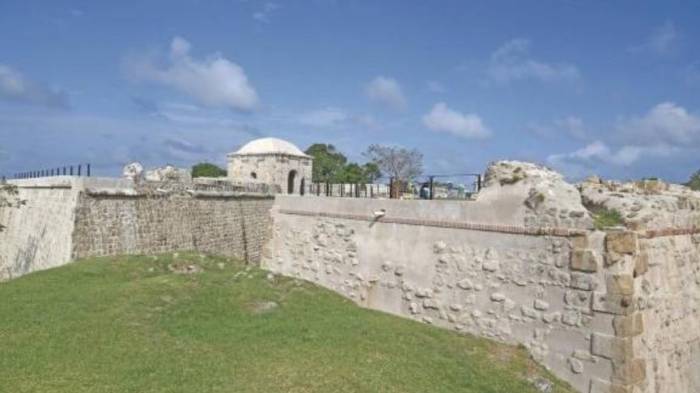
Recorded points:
351,173
694,182
205,169
328,163
372,172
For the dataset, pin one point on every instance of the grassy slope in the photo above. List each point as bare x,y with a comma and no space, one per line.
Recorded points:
128,324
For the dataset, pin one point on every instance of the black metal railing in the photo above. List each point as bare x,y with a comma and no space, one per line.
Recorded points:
69,170
450,186
443,186
349,190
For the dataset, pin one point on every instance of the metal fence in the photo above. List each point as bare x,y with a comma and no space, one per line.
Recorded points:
350,190
69,170
448,186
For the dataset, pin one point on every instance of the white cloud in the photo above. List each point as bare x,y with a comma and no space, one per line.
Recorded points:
513,62
596,153
17,88
214,81
665,123
334,118
665,131
263,15
436,87
664,38
568,126
386,91
110,142
443,119
662,41
691,74
324,118
573,126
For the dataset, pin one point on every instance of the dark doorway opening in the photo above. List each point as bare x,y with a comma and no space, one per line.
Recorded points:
290,181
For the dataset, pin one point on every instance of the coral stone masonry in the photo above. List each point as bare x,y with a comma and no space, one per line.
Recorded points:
610,309
69,217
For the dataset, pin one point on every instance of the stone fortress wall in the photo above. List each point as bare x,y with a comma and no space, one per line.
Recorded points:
74,217
609,311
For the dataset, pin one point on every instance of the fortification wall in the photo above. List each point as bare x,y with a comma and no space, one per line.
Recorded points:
668,298
433,262
231,225
38,234
72,217
608,311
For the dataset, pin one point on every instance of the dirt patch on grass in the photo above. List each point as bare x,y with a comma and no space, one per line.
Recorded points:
263,307
185,268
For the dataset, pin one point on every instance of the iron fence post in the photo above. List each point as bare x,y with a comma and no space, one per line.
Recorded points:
432,179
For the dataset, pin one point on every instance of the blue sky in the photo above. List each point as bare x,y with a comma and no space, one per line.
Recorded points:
607,87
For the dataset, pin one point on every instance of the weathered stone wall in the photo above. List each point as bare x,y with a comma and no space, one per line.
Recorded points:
432,261
38,234
668,298
654,265
231,225
609,311
71,217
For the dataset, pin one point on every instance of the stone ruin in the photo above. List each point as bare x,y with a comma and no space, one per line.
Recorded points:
609,306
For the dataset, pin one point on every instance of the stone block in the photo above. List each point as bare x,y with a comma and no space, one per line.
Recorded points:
630,372
541,305
619,284
600,386
641,264
628,326
621,242
613,304
618,349
583,282
579,242
584,260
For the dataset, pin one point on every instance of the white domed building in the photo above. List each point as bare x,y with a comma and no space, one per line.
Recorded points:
271,161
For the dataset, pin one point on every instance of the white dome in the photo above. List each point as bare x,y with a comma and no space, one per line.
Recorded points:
270,146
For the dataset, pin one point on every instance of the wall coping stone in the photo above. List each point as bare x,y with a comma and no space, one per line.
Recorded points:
664,232
510,229
229,194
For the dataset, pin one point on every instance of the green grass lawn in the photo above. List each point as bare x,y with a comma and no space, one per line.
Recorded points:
130,324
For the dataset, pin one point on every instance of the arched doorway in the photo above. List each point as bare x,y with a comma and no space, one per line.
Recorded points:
290,181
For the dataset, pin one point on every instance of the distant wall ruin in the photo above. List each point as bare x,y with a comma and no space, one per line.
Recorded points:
69,217
610,311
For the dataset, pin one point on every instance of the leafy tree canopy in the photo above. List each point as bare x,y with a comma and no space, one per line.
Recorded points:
205,169
694,182
328,162
330,165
